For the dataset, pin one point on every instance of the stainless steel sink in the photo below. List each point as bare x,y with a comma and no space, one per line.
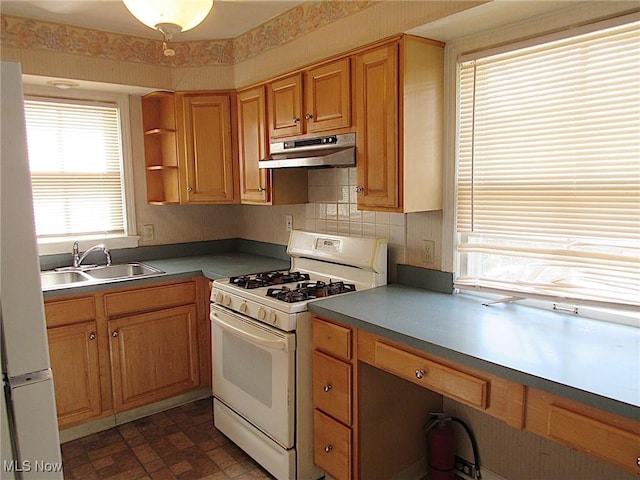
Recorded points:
122,270
55,279
69,276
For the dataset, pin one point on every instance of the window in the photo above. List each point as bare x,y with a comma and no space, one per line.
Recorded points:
77,169
548,169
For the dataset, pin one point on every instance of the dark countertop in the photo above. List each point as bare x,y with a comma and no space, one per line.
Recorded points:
590,361
213,266
220,265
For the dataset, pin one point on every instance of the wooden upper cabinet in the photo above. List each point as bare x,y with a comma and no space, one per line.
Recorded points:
263,186
376,80
399,99
314,101
285,106
206,153
328,96
252,145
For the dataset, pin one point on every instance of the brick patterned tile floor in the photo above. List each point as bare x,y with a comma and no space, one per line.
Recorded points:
181,443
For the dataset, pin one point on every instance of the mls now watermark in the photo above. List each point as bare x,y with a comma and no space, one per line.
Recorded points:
27,466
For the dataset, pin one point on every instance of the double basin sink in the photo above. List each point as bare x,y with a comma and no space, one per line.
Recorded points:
70,276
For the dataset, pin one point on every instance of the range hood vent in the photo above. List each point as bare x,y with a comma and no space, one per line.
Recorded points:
330,151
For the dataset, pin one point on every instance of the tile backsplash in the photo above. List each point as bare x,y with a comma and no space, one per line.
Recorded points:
332,208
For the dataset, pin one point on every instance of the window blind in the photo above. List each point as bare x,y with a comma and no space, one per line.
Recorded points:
548,173
75,157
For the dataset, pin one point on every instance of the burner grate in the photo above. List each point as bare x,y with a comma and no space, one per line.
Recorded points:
309,291
267,279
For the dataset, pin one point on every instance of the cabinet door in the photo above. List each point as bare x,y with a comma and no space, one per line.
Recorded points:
376,91
206,161
154,356
252,140
328,96
73,350
285,106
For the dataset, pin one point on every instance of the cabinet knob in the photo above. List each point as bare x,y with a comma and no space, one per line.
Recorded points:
115,334
419,373
189,189
328,448
296,119
327,388
261,189
92,336
308,116
244,307
359,189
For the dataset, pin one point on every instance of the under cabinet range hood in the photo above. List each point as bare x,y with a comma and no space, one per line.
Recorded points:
330,151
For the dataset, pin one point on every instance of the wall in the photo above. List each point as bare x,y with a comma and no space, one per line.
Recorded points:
319,30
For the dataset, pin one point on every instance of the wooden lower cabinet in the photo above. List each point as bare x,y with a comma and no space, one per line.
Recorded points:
73,350
125,348
609,437
332,446
333,399
153,356
360,380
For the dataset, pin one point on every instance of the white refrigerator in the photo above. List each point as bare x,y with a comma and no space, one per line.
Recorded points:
30,444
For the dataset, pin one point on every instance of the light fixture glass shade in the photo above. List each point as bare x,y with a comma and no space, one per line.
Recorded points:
185,14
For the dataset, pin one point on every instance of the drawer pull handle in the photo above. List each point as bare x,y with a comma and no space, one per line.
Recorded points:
328,448
327,388
419,374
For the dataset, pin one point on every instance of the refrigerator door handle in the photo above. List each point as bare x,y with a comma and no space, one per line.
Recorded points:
29,378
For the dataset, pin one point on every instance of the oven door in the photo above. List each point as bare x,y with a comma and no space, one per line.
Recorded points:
254,372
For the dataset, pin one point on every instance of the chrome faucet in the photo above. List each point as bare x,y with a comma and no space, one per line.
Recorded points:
77,259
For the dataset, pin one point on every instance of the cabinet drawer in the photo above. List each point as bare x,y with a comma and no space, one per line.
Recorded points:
332,338
440,378
594,436
331,446
332,386
154,298
66,312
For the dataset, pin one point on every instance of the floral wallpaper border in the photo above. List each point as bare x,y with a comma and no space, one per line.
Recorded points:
34,34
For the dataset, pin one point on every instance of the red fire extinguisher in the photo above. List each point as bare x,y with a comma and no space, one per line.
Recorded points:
441,447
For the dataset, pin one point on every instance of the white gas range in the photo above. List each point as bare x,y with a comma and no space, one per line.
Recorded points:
261,342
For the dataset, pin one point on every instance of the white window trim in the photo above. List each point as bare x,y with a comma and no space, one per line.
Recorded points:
130,239
524,31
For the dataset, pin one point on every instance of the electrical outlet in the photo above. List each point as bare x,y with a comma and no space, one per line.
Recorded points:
428,251
466,467
289,222
147,232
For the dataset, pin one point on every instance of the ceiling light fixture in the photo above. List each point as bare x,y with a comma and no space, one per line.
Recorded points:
63,84
169,16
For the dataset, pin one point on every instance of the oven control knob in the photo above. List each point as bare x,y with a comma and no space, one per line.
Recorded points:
219,297
244,307
262,313
227,300
272,317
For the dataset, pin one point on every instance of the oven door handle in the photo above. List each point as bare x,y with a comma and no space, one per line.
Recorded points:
280,344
